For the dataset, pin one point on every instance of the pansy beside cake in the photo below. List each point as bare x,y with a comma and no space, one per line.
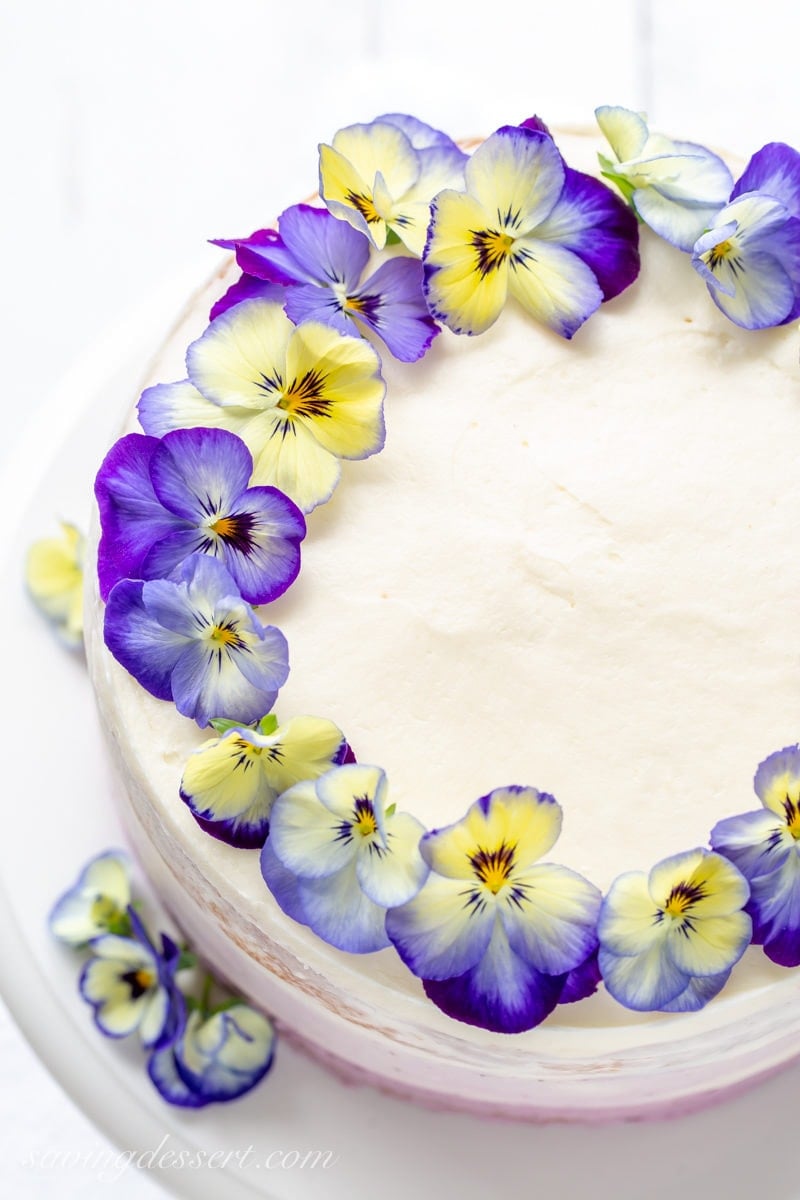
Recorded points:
438,667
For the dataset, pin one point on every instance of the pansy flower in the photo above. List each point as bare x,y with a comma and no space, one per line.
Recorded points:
765,846
195,641
54,578
677,188
558,241
131,986
494,934
300,397
750,257
668,939
337,857
323,264
382,176
97,902
231,782
161,500
217,1057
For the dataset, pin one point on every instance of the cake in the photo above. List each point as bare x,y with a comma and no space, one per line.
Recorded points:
568,569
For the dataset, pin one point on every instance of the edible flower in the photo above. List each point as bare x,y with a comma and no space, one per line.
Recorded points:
765,846
677,188
217,1057
131,986
301,398
195,641
382,176
161,500
750,257
54,578
559,241
97,902
668,940
231,782
494,934
337,857
323,264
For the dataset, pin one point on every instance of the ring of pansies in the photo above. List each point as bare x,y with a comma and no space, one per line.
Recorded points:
202,518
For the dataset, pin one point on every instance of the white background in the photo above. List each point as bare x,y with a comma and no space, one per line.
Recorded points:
133,130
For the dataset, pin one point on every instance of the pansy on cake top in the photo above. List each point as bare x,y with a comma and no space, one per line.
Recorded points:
412,241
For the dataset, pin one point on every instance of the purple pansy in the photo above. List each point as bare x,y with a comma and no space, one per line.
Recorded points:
161,500
750,257
497,937
131,986
765,846
217,1057
195,641
323,264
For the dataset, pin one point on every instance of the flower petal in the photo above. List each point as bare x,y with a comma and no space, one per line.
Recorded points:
678,223
196,472
240,359
391,303
516,177
758,843
342,914
465,289
288,456
139,643
775,171
247,287
553,284
595,224
697,993
503,992
179,406
283,884
392,876
709,946
550,917
775,905
524,820
325,249
630,921
624,130
643,982
306,836
444,931
777,780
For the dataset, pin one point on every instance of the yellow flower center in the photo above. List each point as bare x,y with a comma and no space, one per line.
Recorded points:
104,910
304,397
225,527
683,897
144,979
365,205
493,867
365,821
491,249
719,253
224,635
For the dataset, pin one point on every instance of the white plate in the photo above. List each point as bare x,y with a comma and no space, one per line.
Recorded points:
58,815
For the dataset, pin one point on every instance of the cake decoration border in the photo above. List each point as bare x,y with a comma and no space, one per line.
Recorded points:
283,384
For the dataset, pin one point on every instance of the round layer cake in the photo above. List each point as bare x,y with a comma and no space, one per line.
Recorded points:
571,567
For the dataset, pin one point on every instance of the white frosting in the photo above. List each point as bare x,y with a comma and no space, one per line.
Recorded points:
572,566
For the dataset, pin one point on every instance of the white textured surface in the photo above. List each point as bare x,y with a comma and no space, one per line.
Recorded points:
117,117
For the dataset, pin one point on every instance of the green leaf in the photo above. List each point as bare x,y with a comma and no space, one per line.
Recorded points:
391,238
222,725
268,724
391,810
187,960
624,185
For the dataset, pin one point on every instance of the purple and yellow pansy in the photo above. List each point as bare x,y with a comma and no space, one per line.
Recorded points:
300,397
749,256
526,225
669,938
97,902
494,933
131,986
216,1057
765,846
381,177
232,781
337,856
54,579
